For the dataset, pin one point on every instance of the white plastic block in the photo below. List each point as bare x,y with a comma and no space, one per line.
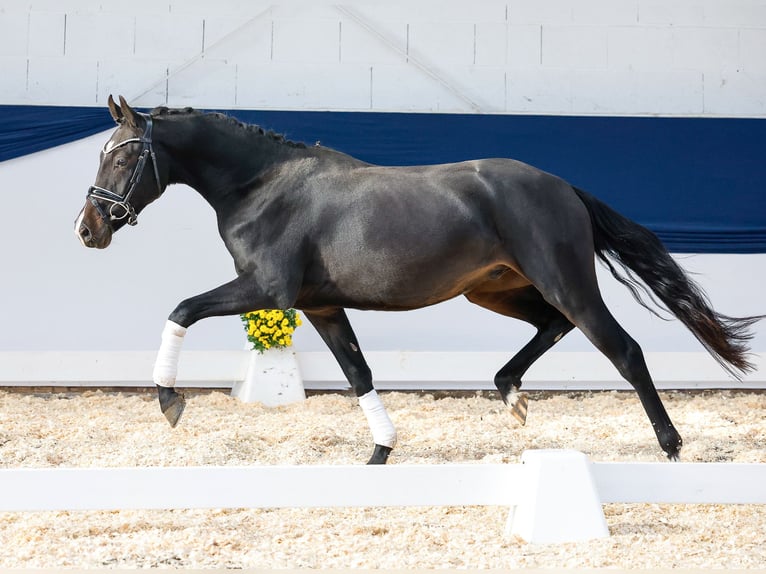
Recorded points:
561,503
272,378
100,34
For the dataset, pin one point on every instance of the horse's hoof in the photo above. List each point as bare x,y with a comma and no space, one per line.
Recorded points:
380,454
671,442
175,410
674,454
518,403
172,405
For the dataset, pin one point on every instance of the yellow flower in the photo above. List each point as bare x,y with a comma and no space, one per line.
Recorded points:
267,328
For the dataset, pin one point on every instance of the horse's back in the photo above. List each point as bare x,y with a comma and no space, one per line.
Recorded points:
531,210
402,237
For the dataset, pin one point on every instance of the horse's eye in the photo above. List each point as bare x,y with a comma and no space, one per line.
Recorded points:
120,162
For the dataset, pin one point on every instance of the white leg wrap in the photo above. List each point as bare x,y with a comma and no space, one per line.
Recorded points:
383,431
166,365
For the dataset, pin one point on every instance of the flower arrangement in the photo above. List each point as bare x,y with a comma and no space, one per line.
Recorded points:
271,328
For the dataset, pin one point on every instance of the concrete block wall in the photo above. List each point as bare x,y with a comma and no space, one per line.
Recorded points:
679,57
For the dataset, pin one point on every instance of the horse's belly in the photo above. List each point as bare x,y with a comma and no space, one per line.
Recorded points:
402,285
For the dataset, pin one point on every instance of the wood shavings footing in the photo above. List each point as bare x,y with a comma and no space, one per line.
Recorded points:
93,428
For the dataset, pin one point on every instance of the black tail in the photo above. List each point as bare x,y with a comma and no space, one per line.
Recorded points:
637,249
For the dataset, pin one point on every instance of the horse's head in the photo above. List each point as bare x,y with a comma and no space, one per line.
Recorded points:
128,178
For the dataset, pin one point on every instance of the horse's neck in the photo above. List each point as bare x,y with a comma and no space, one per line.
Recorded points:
219,164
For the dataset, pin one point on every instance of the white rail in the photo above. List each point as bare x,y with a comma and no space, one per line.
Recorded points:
554,496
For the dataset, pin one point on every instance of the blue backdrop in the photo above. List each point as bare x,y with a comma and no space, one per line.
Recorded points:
697,182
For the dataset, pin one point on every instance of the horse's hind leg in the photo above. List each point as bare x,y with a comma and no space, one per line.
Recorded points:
528,305
334,328
572,288
604,331
626,355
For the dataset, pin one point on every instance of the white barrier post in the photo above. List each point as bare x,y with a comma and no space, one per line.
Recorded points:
560,502
272,378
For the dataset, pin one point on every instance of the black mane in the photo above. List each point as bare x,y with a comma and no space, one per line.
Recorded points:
232,121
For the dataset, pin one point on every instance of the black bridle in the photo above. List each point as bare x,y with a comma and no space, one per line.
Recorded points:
120,206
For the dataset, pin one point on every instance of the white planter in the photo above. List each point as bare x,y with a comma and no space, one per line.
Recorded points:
272,378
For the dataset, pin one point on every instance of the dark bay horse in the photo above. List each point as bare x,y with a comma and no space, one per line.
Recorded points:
315,229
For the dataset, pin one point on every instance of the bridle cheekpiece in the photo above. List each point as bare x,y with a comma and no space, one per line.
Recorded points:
119,205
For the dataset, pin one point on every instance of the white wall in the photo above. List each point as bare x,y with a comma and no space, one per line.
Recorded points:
689,57
638,57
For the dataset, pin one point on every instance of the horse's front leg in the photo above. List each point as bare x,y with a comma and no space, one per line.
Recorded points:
335,330
241,295
172,404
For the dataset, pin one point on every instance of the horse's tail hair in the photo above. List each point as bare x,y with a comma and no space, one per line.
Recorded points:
639,251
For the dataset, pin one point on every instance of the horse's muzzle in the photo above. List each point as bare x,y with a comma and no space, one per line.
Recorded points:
99,238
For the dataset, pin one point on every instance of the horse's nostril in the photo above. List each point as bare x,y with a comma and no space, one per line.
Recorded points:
84,232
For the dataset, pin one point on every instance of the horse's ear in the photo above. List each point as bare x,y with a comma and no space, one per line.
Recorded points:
115,110
131,117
